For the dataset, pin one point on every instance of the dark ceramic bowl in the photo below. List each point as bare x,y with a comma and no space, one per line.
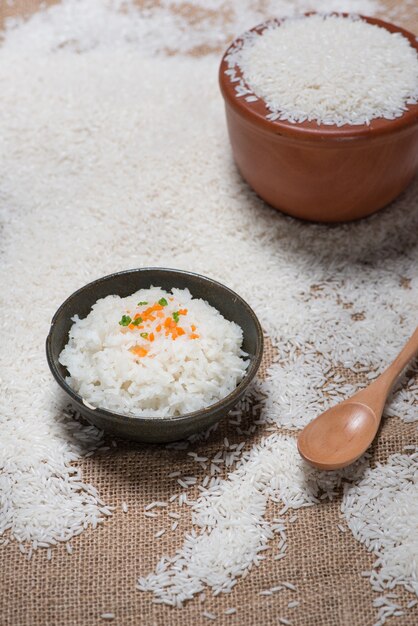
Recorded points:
124,284
321,173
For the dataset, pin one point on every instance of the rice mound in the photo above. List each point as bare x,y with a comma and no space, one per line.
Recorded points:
175,377
332,69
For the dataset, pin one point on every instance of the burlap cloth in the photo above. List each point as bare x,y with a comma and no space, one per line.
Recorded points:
324,563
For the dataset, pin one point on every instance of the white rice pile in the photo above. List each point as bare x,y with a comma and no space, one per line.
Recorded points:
84,170
382,512
172,375
327,68
80,26
230,534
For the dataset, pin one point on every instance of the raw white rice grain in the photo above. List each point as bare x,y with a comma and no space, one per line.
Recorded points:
293,604
209,615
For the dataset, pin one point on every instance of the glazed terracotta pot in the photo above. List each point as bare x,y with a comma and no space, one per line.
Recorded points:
319,172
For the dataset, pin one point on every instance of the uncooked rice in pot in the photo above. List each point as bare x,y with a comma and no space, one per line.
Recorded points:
329,68
154,354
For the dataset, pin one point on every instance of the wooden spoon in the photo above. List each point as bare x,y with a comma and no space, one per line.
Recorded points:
342,434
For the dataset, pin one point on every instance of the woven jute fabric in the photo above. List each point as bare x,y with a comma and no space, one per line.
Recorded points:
324,563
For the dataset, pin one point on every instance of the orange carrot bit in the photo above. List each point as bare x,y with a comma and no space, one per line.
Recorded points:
194,336
157,307
151,337
139,351
148,313
169,322
183,311
180,331
158,328
160,314
193,327
136,316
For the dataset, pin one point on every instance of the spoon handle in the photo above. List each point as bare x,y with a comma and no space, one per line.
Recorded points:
405,356
376,393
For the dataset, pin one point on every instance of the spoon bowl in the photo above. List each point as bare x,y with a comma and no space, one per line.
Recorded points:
342,433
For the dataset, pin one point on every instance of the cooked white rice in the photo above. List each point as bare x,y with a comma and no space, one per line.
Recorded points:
170,376
328,68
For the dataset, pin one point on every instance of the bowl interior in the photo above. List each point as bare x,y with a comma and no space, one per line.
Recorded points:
230,305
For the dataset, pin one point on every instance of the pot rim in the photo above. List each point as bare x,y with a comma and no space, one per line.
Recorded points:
256,112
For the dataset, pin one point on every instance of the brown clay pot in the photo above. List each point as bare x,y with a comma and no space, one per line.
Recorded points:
319,172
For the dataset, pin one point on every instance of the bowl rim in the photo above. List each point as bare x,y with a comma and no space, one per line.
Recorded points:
186,417
256,112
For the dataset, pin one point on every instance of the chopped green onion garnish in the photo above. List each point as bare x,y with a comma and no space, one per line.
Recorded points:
126,320
163,302
176,316
137,321
141,303
144,335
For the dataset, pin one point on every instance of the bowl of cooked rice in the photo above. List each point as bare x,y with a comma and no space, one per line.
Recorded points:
154,354
322,113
